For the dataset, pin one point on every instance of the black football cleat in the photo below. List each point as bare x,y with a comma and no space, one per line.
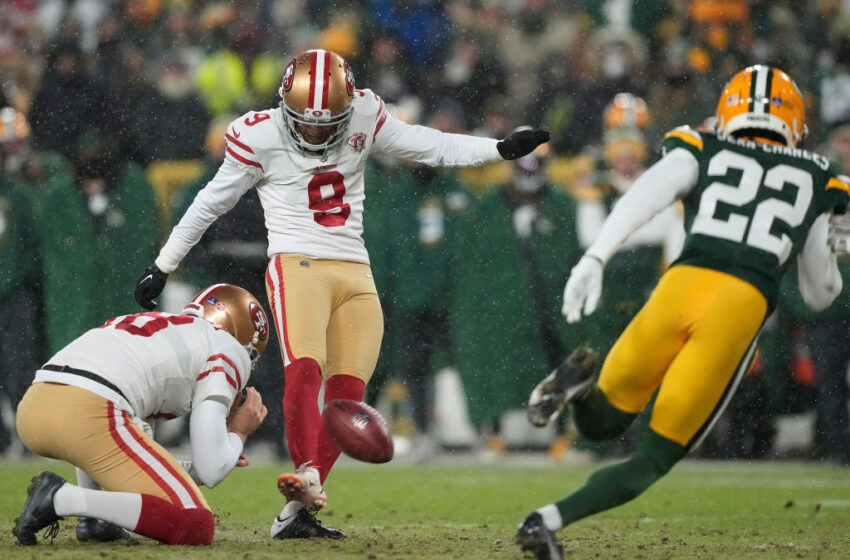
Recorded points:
567,383
90,529
38,511
533,536
303,525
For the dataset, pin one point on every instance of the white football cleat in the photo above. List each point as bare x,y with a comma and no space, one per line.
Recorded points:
569,382
304,486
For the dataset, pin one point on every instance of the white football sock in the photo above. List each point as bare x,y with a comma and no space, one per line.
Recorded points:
85,481
551,517
120,508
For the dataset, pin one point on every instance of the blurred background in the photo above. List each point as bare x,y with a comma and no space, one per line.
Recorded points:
113,115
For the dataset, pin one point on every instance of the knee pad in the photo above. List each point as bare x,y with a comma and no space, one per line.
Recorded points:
197,527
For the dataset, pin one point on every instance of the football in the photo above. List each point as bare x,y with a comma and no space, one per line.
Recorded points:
358,430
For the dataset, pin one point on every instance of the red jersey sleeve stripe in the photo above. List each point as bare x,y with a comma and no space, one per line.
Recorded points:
381,122
219,370
209,371
244,160
380,108
242,145
229,362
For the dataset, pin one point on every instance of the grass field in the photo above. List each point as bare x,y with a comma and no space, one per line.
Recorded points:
700,511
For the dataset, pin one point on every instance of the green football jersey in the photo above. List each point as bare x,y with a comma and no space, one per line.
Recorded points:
753,205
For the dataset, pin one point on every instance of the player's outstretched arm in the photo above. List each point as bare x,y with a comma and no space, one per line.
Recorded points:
670,178
150,285
521,142
817,267
583,289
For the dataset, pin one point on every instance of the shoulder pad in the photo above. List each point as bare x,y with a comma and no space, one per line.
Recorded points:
250,134
367,102
839,182
685,134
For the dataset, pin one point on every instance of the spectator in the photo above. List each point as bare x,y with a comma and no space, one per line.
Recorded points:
96,214
637,266
68,101
826,336
513,254
20,350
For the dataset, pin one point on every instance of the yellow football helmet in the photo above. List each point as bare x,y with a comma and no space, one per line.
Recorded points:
762,101
13,125
626,110
317,91
235,310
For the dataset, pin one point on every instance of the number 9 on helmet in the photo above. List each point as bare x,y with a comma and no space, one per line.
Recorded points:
235,310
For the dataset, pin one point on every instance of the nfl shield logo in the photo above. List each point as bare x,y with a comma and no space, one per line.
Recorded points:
357,141
361,420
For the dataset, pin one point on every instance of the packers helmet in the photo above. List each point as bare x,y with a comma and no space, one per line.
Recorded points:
626,110
317,90
762,101
235,310
13,125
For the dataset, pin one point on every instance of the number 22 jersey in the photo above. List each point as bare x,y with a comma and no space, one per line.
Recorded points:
313,205
753,204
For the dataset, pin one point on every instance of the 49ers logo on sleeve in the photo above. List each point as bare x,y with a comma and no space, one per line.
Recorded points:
288,76
259,320
349,80
357,141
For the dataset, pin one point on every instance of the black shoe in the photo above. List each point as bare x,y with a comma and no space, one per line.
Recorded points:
567,383
303,525
533,536
90,529
38,511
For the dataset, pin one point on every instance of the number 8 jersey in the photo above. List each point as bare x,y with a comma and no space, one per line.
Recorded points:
753,204
314,205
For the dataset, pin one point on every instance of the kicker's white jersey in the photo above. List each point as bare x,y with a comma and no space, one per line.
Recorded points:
162,364
314,206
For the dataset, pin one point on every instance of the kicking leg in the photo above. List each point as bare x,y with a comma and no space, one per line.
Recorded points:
337,387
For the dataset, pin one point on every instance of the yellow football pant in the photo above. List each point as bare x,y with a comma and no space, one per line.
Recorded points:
693,341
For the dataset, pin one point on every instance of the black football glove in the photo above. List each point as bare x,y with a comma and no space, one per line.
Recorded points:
521,142
149,285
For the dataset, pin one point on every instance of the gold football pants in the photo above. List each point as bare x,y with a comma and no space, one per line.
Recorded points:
74,425
693,341
327,310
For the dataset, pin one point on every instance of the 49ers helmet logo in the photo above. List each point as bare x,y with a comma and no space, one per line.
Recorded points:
349,80
259,320
288,76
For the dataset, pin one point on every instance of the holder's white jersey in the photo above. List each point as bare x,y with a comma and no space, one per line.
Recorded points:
161,364
314,206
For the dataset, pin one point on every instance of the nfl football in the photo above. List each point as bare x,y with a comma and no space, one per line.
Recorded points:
358,430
